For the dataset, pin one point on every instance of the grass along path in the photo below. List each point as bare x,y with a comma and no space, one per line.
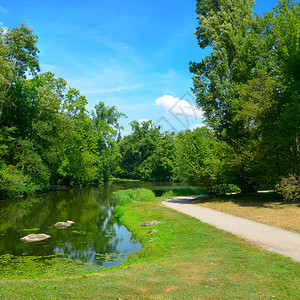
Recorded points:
267,208
268,237
188,260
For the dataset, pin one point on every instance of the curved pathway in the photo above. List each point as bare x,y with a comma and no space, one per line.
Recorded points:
266,236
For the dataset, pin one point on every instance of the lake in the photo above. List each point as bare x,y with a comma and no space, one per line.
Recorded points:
96,240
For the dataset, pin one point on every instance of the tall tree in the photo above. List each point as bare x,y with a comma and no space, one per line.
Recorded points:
249,87
203,160
108,129
137,147
19,55
223,26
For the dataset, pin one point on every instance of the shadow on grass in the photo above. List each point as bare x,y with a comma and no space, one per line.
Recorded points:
185,199
249,200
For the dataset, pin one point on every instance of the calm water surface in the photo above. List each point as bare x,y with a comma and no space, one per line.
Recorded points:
95,238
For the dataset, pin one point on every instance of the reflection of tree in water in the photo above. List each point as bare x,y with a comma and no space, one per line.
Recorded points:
17,215
94,232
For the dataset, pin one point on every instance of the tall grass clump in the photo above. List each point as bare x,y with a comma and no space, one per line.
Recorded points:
124,197
184,192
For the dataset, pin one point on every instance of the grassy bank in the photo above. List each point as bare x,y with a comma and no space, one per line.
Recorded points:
187,259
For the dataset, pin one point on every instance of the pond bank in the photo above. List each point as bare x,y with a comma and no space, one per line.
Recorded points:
188,260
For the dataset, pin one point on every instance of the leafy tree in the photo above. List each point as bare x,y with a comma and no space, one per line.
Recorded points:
159,165
18,56
137,147
223,26
249,87
47,135
106,124
201,160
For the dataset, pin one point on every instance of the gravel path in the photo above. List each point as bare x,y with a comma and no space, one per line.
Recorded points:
268,237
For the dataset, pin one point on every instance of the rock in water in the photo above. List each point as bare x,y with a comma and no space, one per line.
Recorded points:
63,224
35,237
150,223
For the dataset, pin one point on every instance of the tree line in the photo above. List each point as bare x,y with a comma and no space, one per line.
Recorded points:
248,89
47,135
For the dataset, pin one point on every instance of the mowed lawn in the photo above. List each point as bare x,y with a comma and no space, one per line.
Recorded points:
186,259
267,208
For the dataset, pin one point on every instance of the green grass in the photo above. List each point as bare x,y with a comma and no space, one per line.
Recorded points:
188,260
184,192
124,197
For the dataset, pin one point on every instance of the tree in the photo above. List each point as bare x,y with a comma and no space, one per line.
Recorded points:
137,147
108,129
47,135
19,55
201,160
223,26
159,165
248,87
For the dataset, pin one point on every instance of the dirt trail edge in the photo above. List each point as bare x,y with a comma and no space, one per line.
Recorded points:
266,236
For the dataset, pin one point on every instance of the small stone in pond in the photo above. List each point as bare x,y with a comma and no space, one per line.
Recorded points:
152,231
150,223
63,224
35,237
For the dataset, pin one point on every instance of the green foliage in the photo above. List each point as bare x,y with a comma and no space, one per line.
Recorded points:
13,183
183,192
289,187
124,197
46,132
136,148
222,189
248,87
106,125
18,55
146,154
158,166
202,160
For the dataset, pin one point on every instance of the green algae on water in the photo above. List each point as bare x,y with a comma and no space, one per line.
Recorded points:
38,267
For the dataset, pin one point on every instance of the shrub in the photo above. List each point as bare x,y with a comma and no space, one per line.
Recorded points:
289,187
183,192
222,189
13,183
124,197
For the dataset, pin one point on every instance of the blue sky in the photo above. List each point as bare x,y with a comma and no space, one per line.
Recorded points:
132,54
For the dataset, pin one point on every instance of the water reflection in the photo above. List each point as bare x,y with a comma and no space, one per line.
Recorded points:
95,237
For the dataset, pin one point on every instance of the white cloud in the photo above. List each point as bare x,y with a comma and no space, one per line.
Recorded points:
3,30
178,107
195,126
143,120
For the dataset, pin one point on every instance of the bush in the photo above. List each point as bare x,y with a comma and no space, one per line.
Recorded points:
222,189
289,187
124,197
13,183
183,192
